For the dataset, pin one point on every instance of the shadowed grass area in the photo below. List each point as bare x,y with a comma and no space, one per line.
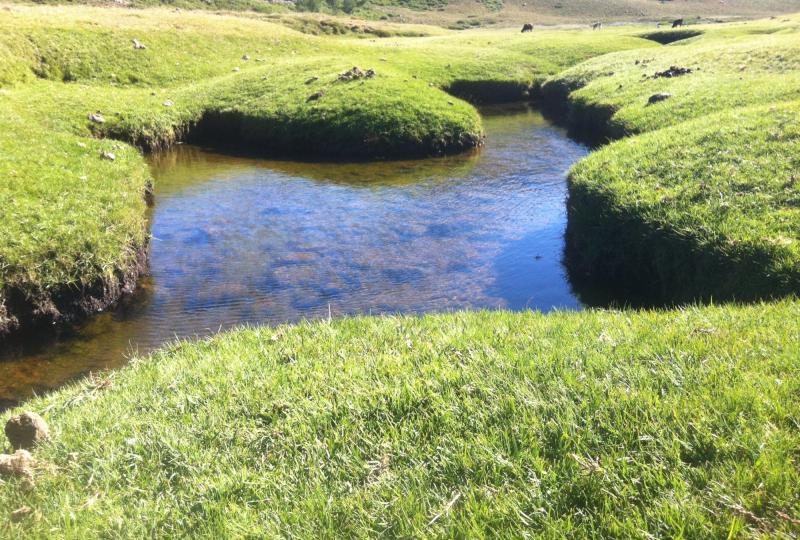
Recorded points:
670,424
226,79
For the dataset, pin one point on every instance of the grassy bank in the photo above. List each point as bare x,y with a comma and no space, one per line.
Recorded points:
704,205
77,216
672,424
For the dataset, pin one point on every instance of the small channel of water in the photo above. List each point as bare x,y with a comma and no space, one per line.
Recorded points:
238,240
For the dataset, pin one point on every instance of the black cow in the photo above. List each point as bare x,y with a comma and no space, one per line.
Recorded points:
527,27
677,24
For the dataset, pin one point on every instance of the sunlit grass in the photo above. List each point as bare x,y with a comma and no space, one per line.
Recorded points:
573,425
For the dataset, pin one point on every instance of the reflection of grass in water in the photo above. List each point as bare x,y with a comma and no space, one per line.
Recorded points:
186,165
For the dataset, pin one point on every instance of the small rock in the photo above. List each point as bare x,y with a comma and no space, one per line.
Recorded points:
168,103
450,103
26,430
17,464
236,69
315,96
97,118
82,145
246,57
673,71
656,98
138,45
312,79
20,513
108,155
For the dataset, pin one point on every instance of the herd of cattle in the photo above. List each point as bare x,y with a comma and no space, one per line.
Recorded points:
528,27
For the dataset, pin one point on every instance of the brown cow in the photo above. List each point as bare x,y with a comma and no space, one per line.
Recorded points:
527,27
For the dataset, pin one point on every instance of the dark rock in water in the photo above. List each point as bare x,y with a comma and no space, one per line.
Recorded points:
655,98
97,118
26,430
138,45
673,71
17,464
315,96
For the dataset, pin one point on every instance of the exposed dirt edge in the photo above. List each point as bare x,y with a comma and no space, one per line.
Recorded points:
489,92
24,312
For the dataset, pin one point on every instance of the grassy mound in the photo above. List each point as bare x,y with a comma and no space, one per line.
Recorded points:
705,204
79,231
483,424
709,209
731,66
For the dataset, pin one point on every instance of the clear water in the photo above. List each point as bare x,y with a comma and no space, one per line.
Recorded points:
239,240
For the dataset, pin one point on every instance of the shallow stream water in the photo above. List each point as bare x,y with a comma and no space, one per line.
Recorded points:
240,240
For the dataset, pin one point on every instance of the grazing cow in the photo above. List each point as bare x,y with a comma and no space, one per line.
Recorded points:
527,27
597,26
677,24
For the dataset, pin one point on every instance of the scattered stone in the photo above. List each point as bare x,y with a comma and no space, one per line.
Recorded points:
246,57
108,155
673,71
312,79
21,513
17,464
355,73
138,45
168,103
97,118
656,98
315,96
26,430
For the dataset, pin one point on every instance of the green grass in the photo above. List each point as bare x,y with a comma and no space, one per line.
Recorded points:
672,424
681,423
708,209
705,204
243,79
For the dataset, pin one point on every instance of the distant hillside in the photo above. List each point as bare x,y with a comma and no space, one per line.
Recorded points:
474,13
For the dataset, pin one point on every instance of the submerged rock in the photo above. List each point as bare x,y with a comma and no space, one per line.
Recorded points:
26,430
661,96
19,463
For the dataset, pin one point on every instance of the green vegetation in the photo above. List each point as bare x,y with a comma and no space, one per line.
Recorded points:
676,424
680,423
705,206
77,218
